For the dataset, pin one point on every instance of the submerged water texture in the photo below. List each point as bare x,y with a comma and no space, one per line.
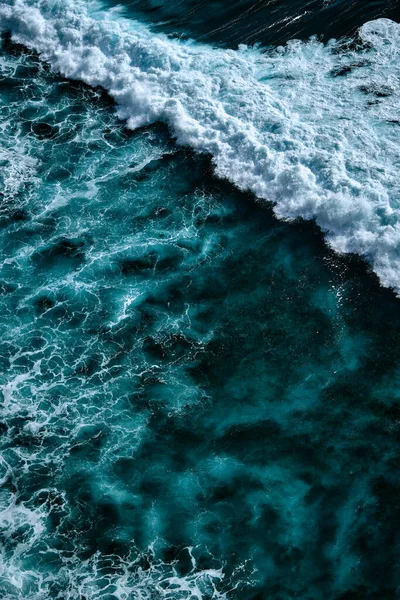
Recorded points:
199,401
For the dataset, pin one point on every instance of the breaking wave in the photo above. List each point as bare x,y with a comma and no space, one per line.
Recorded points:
313,128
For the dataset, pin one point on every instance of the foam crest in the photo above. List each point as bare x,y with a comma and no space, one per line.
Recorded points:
313,128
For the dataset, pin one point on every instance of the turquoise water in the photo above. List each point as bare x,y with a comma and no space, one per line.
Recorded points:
199,400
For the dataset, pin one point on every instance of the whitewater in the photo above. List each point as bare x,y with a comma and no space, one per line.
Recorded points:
313,128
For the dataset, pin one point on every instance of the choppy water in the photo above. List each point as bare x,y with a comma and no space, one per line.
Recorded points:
199,400
311,127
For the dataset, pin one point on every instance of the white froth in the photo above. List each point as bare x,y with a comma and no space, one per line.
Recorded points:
313,128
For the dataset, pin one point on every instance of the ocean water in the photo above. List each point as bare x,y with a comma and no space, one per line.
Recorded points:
199,360
312,128
265,22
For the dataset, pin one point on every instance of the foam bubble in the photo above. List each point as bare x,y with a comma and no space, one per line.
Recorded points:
313,128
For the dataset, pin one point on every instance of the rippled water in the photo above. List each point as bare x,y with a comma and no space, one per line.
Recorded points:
199,401
257,21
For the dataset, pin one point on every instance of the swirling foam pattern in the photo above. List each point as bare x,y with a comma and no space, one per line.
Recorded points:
199,401
312,128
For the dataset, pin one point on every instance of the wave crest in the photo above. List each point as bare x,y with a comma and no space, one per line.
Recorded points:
313,128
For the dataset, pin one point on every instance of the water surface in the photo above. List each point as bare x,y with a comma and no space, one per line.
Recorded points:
199,400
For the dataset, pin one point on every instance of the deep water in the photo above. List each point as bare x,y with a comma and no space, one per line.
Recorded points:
265,22
199,401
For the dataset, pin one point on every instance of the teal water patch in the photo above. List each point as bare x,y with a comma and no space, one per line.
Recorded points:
199,401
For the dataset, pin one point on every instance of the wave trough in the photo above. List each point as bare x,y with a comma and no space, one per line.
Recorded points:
313,128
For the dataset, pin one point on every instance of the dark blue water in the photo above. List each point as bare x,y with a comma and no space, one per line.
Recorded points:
265,22
199,401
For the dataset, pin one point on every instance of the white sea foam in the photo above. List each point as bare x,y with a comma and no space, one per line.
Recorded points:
314,128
